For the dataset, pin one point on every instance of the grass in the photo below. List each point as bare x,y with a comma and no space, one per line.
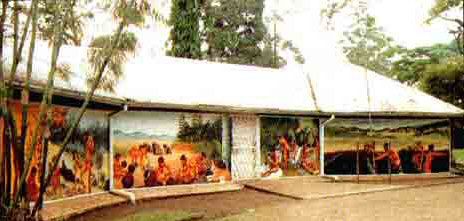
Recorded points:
161,216
458,155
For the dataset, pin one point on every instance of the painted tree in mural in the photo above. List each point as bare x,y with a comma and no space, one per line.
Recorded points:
58,22
229,31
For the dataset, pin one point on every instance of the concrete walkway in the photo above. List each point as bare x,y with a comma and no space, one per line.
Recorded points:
65,209
309,188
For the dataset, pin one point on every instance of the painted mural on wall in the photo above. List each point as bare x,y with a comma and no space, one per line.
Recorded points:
383,146
166,148
84,166
289,146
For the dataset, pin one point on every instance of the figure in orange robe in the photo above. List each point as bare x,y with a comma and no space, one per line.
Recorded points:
429,158
274,163
89,153
163,173
33,187
201,166
392,155
220,172
285,151
186,174
134,154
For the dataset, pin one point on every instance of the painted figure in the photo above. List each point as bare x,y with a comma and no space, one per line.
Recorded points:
392,155
33,187
430,157
220,172
89,153
128,179
163,173
186,173
419,156
285,151
273,163
308,160
201,165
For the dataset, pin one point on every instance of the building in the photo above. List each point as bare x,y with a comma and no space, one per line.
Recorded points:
189,115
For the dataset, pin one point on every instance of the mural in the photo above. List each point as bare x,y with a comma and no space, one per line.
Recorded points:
383,146
84,166
289,146
166,148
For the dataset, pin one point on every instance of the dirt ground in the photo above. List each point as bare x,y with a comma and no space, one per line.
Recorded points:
212,206
437,202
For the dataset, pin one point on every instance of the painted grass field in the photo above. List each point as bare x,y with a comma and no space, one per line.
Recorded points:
398,140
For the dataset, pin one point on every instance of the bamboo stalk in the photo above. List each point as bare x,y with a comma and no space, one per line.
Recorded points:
88,97
26,90
48,91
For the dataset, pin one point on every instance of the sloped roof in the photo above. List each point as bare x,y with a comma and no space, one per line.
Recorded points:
346,88
183,83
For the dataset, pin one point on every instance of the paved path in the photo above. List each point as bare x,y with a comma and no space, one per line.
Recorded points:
306,188
437,202
64,209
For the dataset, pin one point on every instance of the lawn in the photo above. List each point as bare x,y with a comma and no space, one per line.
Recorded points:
160,216
458,155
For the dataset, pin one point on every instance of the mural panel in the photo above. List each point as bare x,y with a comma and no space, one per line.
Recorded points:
383,146
166,148
83,167
289,146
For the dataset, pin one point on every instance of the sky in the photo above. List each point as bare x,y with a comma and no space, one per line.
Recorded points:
154,123
401,19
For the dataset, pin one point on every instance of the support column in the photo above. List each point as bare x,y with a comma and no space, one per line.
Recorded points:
111,157
226,139
322,147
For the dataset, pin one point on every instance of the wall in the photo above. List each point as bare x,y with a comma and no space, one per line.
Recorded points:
404,145
83,167
167,148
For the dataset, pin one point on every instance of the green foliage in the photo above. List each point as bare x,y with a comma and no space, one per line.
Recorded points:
135,15
185,36
232,31
199,131
446,80
100,48
73,22
366,45
442,6
411,63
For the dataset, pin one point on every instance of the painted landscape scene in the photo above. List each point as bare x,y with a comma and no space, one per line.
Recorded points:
167,149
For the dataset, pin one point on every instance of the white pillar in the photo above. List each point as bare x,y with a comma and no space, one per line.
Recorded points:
258,147
226,144
111,157
322,147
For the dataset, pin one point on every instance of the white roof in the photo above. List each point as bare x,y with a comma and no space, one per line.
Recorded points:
174,82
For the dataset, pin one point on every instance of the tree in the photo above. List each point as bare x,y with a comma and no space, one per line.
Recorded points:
226,31
366,45
185,35
411,64
58,22
445,80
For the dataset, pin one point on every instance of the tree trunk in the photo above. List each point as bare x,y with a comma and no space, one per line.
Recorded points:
7,161
48,91
25,93
39,204
87,98
3,104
